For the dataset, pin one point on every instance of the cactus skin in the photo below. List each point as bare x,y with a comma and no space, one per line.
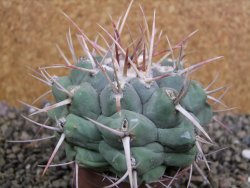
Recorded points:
129,117
161,136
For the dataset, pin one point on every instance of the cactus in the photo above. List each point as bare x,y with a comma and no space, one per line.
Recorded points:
119,110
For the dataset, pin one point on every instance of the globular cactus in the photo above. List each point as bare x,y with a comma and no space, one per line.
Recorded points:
123,112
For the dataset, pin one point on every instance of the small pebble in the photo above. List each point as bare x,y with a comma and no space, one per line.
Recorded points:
246,153
16,149
237,158
246,140
27,166
243,166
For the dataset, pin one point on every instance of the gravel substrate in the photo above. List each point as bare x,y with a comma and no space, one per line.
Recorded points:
18,162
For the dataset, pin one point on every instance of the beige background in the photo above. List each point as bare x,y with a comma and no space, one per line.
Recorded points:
30,29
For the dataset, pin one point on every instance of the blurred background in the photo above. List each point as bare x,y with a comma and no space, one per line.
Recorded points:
30,31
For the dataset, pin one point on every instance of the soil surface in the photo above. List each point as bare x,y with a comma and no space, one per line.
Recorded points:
19,162
30,31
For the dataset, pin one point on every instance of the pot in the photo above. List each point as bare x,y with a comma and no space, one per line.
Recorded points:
90,179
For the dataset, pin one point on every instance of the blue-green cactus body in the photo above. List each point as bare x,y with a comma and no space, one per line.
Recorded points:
160,136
